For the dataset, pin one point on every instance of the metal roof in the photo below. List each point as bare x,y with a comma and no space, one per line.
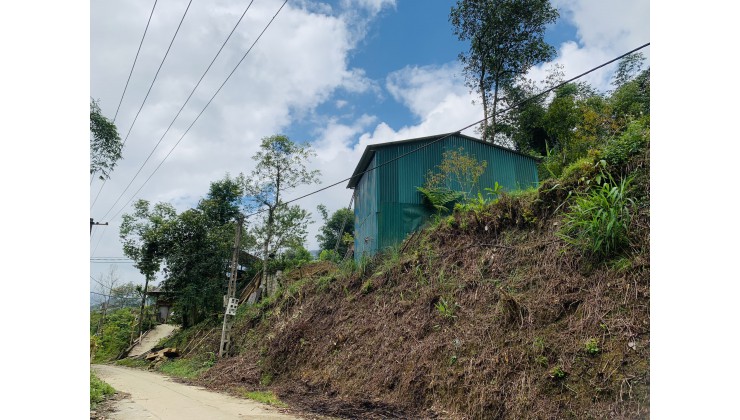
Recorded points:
369,152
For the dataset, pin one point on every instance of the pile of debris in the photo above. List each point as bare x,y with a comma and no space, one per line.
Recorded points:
158,357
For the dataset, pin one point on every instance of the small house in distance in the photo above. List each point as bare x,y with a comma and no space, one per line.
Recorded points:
388,205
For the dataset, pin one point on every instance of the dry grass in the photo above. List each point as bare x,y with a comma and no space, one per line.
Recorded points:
527,306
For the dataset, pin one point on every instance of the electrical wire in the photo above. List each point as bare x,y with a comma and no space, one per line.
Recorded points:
135,58
182,107
148,91
516,105
199,114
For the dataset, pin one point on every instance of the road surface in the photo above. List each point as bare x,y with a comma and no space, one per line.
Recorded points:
151,338
155,396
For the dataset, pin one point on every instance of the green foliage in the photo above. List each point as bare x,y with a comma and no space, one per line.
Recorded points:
618,150
452,181
441,199
627,68
557,372
592,346
292,258
599,220
189,368
341,220
266,379
105,143
329,255
98,390
506,40
367,287
281,166
194,247
117,331
265,397
478,204
446,310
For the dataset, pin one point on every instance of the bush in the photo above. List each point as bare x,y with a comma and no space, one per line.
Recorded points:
618,150
598,221
329,255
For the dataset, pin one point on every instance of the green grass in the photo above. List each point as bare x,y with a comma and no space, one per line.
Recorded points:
265,397
598,221
98,390
187,368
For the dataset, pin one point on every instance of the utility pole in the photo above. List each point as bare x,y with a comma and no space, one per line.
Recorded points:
230,301
96,224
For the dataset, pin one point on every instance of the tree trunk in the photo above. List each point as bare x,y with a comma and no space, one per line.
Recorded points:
481,87
266,250
143,302
493,112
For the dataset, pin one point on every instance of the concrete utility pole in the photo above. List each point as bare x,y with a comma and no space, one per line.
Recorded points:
230,301
96,224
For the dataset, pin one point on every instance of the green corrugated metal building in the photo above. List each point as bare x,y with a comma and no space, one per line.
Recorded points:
387,204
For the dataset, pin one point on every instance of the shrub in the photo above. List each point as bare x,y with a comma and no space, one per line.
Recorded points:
598,221
329,255
618,150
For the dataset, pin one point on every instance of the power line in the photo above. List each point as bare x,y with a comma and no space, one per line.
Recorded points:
201,113
135,58
112,262
412,151
115,297
183,106
149,91
462,129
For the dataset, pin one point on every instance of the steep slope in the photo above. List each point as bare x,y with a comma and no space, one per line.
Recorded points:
488,313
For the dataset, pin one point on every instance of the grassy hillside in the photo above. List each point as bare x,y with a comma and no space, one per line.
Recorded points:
535,305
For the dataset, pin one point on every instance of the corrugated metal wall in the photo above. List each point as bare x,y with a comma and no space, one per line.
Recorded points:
366,213
400,205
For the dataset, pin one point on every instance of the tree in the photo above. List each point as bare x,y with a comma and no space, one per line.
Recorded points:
506,40
141,234
281,167
194,247
105,143
453,180
342,221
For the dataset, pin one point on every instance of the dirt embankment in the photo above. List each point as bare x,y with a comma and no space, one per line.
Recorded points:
488,315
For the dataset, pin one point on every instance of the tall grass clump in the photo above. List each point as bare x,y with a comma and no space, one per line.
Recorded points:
98,390
598,222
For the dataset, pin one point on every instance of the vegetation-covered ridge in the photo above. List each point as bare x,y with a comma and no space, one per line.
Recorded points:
532,305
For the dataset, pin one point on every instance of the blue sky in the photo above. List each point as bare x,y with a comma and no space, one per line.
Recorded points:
339,75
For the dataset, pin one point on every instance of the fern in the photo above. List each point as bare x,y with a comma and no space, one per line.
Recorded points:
441,199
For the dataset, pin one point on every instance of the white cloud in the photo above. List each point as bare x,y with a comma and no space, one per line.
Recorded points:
298,64
605,29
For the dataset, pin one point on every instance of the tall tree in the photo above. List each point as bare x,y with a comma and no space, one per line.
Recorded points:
141,234
105,143
506,40
281,167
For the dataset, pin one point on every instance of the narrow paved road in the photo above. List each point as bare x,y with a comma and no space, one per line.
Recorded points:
151,338
155,396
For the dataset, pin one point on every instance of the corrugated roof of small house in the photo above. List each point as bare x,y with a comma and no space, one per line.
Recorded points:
367,155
